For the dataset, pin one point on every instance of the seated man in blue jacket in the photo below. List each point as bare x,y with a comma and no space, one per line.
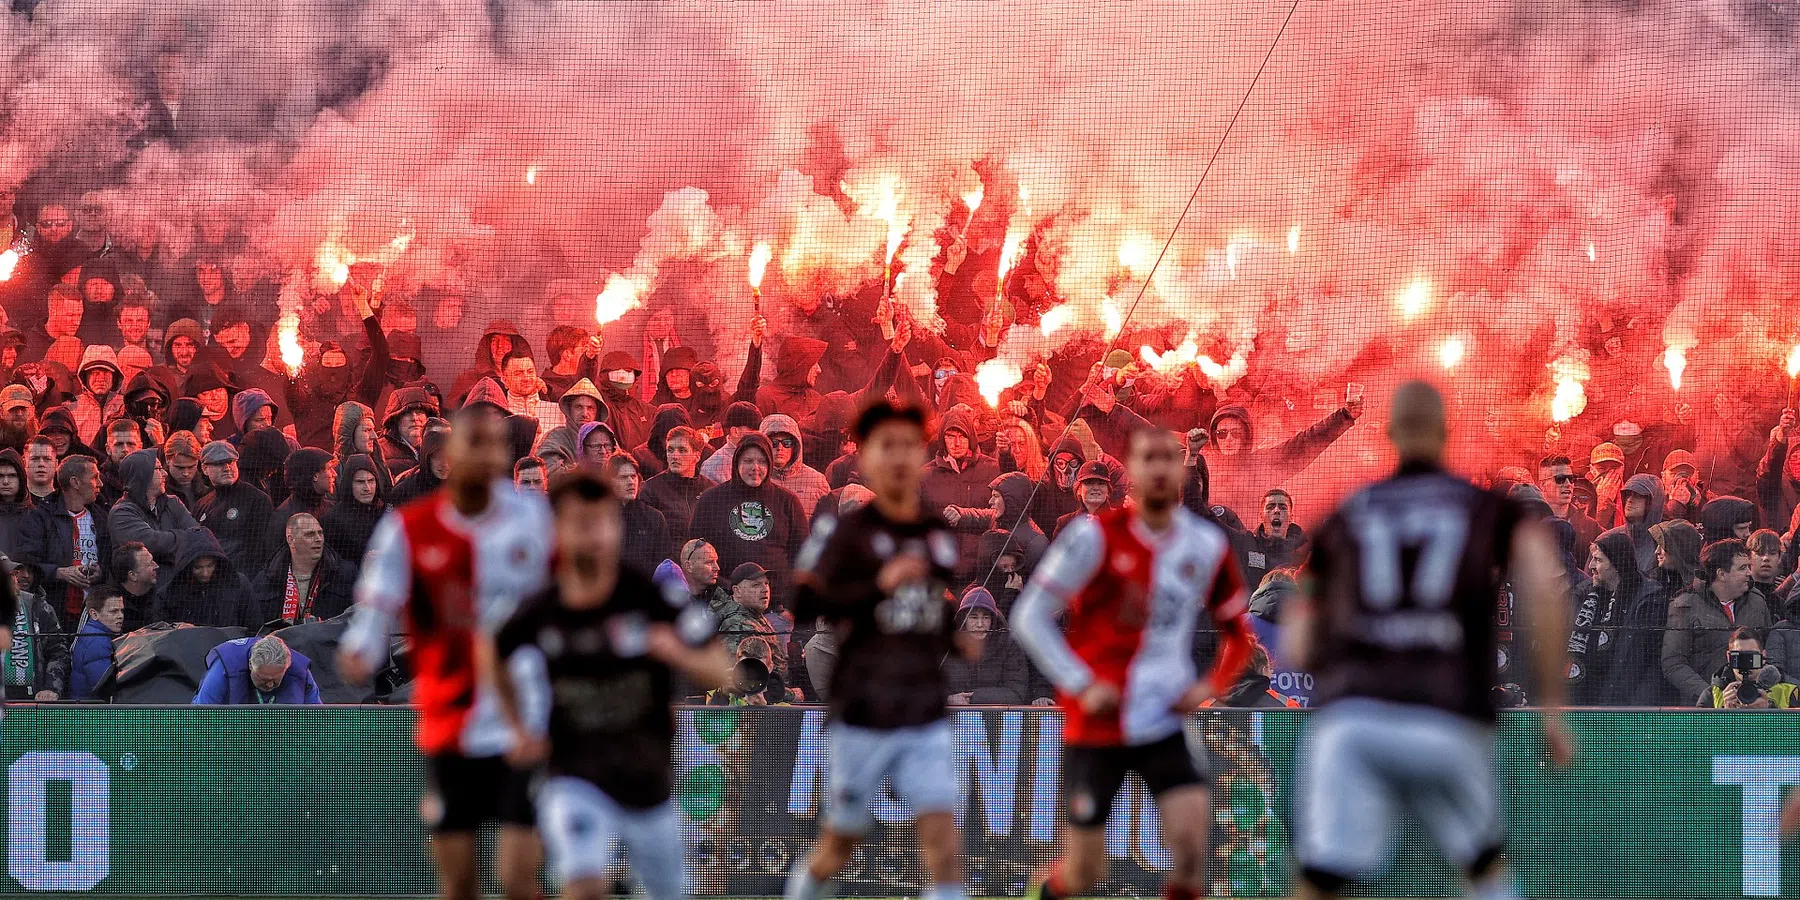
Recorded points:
94,645
257,671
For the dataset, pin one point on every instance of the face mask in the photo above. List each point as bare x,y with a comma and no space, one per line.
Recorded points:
622,377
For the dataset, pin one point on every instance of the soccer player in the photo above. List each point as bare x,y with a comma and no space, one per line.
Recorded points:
608,641
1134,580
449,566
880,577
1397,626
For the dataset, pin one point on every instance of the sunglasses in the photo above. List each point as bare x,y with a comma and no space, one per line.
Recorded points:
785,441
1564,479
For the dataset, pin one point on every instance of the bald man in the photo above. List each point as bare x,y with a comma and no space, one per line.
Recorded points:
1397,626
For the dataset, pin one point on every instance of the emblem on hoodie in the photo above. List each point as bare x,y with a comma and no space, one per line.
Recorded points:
750,521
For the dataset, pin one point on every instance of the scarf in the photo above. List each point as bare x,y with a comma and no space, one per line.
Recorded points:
18,663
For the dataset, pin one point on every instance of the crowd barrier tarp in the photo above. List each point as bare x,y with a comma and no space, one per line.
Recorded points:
321,802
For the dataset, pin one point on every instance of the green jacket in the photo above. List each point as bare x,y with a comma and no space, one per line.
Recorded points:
737,623
1781,696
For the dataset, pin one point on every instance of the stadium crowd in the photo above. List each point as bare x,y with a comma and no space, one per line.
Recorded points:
162,461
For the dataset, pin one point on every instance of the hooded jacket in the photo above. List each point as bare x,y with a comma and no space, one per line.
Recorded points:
708,404
581,388
964,484
349,416
1265,619
145,385
1650,487
806,482
763,524
92,658
348,524
673,496
181,328
396,453
1239,479
484,359
1258,551
13,512
653,457
262,463
303,466
558,441
1720,517
789,393
162,524
92,412
238,516
675,358
246,404
1002,676
225,601
319,389
421,480
1600,613
627,414
1017,532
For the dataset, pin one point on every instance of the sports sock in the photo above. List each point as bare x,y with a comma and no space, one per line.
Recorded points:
801,885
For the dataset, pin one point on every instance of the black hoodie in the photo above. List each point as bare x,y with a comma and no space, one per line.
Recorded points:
238,514
653,457
224,601
763,524
13,512
420,481
349,524
303,466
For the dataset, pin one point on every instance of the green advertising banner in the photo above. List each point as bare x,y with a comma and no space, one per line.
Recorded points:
322,802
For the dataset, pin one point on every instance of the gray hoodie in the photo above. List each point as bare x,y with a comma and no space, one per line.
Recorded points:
803,480
159,524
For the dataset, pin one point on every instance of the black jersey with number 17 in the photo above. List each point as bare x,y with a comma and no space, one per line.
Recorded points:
891,647
1406,575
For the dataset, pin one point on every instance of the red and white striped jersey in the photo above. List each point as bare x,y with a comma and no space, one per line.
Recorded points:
451,576
1133,601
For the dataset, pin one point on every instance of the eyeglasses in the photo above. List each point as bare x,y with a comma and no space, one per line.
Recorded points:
785,441
1563,479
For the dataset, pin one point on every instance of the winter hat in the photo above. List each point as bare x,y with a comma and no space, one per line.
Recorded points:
743,414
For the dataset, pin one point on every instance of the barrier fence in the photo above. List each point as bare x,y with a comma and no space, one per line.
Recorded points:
321,802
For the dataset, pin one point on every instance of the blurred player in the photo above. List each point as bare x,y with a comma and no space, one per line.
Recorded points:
449,566
608,642
880,577
1134,581
1398,629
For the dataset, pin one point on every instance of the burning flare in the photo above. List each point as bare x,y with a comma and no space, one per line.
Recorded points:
1137,253
1451,352
972,199
1793,364
619,297
1571,398
1415,298
288,336
531,174
1054,319
759,263
994,376
1675,360
1294,239
1173,359
9,261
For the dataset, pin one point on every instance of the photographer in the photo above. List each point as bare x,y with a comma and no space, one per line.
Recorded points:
1747,681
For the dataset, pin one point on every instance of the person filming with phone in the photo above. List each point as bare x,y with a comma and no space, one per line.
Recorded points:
1747,681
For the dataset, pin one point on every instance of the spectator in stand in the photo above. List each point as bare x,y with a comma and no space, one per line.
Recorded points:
1677,557
1641,506
306,581
145,514
748,519
18,416
499,339
1016,449
960,476
1602,603
36,665
793,391
355,510
1276,589
598,444
1682,487
1237,466
1727,517
403,428
64,540
40,469
1277,542
310,480
573,353
653,456
646,542
181,459
529,475
1001,674
1701,621
123,438
1606,472
433,468
675,492
699,568
740,419
237,513
134,573
15,502
628,416
257,671
1093,489
1253,689
92,654
1004,515
743,615
186,414
1751,687
1556,480
206,589
789,468
1765,571
252,410
272,379
525,391
99,398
